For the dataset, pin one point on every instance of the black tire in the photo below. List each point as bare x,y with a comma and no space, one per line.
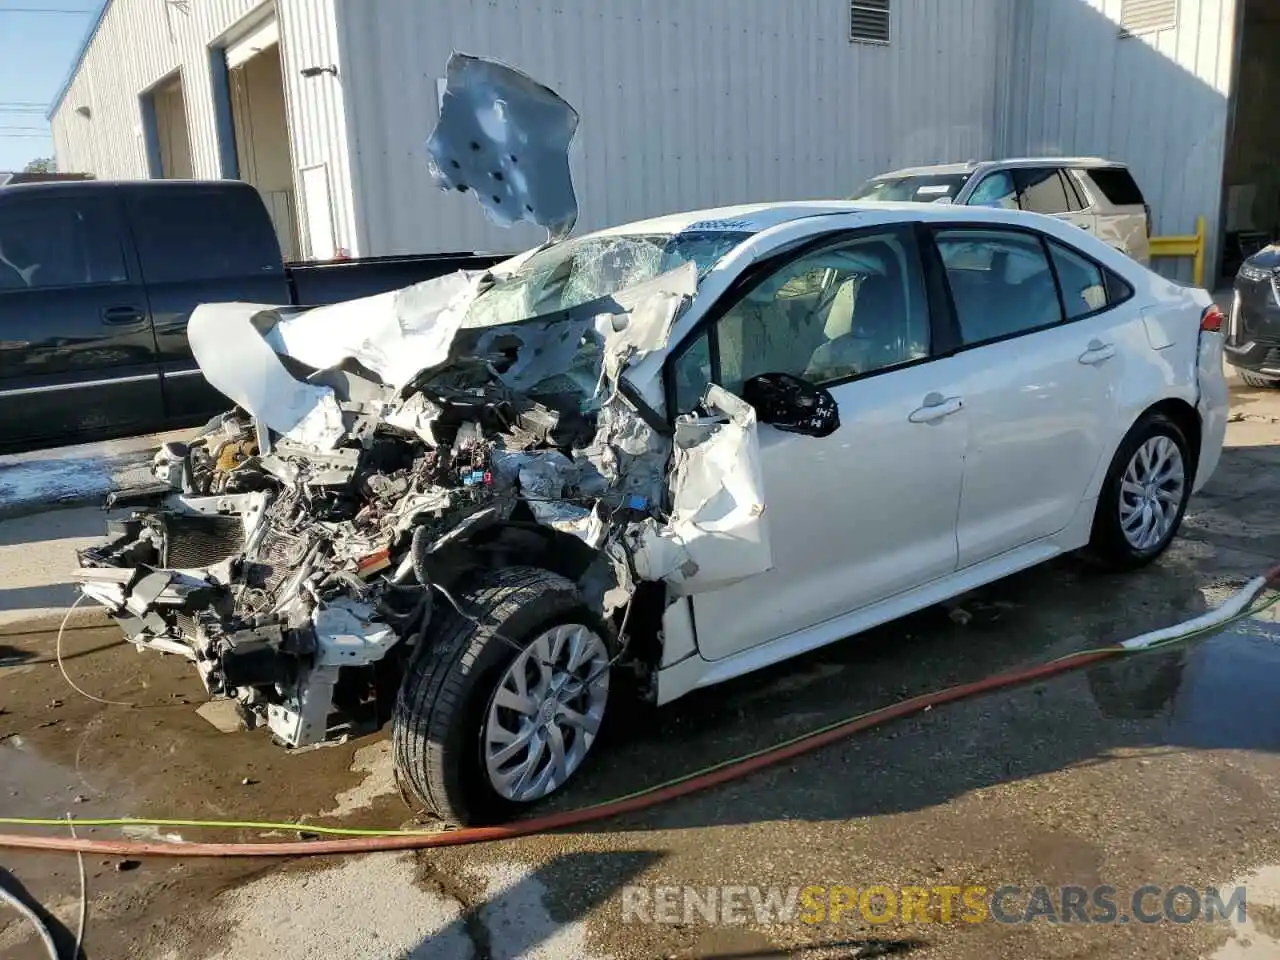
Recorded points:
1258,380
1108,543
452,676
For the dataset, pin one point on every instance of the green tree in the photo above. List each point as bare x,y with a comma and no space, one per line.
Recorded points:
40,165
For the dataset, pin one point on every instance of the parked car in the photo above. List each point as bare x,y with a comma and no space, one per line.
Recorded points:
1253,327
98,279
676,452
1100,196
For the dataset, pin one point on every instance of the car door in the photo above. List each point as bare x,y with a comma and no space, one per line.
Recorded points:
868,511
77,354
1043,336
1050,191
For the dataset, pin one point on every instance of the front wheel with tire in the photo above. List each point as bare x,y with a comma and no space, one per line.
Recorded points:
504,698
1145,494
1252,379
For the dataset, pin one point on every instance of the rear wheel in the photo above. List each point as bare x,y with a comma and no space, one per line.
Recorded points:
501,710
1145,494
1258,380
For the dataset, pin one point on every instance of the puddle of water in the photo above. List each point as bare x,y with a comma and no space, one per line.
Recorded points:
33,786
1219,693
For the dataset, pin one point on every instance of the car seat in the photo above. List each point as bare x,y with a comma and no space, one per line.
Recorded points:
864,328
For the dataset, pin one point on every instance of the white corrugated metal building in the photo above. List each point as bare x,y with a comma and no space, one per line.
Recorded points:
325,104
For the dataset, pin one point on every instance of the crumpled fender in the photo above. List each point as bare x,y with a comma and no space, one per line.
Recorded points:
236,359
717,533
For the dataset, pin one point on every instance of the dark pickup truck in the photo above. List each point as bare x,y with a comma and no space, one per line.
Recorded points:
98,279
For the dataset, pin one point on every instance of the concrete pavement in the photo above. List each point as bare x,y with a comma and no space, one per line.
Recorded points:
79,474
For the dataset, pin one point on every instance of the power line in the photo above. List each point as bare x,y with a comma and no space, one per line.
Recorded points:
37,10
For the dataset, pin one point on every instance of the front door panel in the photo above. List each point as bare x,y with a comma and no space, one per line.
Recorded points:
853,518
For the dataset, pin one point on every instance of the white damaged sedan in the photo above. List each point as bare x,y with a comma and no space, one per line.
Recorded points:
671,452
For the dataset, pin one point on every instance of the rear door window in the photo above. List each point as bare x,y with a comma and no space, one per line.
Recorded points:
1117,185
1001,283
1083,282
191,235
1041,190
60,242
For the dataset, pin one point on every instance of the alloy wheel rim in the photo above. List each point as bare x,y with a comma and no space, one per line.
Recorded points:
1151,493
545,712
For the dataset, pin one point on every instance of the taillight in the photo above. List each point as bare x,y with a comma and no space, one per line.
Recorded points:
1212,318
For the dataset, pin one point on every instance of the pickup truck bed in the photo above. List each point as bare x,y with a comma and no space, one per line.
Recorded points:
98,279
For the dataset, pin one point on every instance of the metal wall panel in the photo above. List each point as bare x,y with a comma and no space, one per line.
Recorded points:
317,110
1158,101
683,104
139,42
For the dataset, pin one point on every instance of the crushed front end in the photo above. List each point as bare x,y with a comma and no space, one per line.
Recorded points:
296,560
385,456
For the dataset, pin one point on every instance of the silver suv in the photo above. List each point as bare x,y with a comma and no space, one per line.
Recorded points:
1097,195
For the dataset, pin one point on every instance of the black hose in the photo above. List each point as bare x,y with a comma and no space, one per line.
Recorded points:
418,555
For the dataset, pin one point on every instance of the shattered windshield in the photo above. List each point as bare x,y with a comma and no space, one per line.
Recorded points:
919,189
577,271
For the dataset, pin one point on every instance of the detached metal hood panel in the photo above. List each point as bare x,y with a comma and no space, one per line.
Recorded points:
505,137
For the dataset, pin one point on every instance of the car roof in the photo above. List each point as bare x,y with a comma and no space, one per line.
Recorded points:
81,186
757,217
944,169
743,218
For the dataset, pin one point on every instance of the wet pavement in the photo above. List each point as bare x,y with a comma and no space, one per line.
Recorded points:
1162,769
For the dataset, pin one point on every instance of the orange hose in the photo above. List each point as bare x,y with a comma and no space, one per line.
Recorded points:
571,818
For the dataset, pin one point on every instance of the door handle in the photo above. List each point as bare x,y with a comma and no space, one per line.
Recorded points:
122,315
936,406
1097,352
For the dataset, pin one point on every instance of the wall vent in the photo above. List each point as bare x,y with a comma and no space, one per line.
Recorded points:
1147,16
869,21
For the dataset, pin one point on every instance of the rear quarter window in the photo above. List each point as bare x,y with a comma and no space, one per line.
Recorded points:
1117,185
203,235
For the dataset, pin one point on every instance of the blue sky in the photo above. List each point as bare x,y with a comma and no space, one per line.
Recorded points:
36,52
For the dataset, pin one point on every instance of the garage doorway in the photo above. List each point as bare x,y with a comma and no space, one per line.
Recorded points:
260,129
1251,172
165,130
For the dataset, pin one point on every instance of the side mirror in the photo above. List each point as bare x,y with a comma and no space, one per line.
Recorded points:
789,403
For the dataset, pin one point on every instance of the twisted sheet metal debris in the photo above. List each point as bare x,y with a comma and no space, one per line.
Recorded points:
505,138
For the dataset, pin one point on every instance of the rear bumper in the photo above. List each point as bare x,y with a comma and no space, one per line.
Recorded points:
1213,405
